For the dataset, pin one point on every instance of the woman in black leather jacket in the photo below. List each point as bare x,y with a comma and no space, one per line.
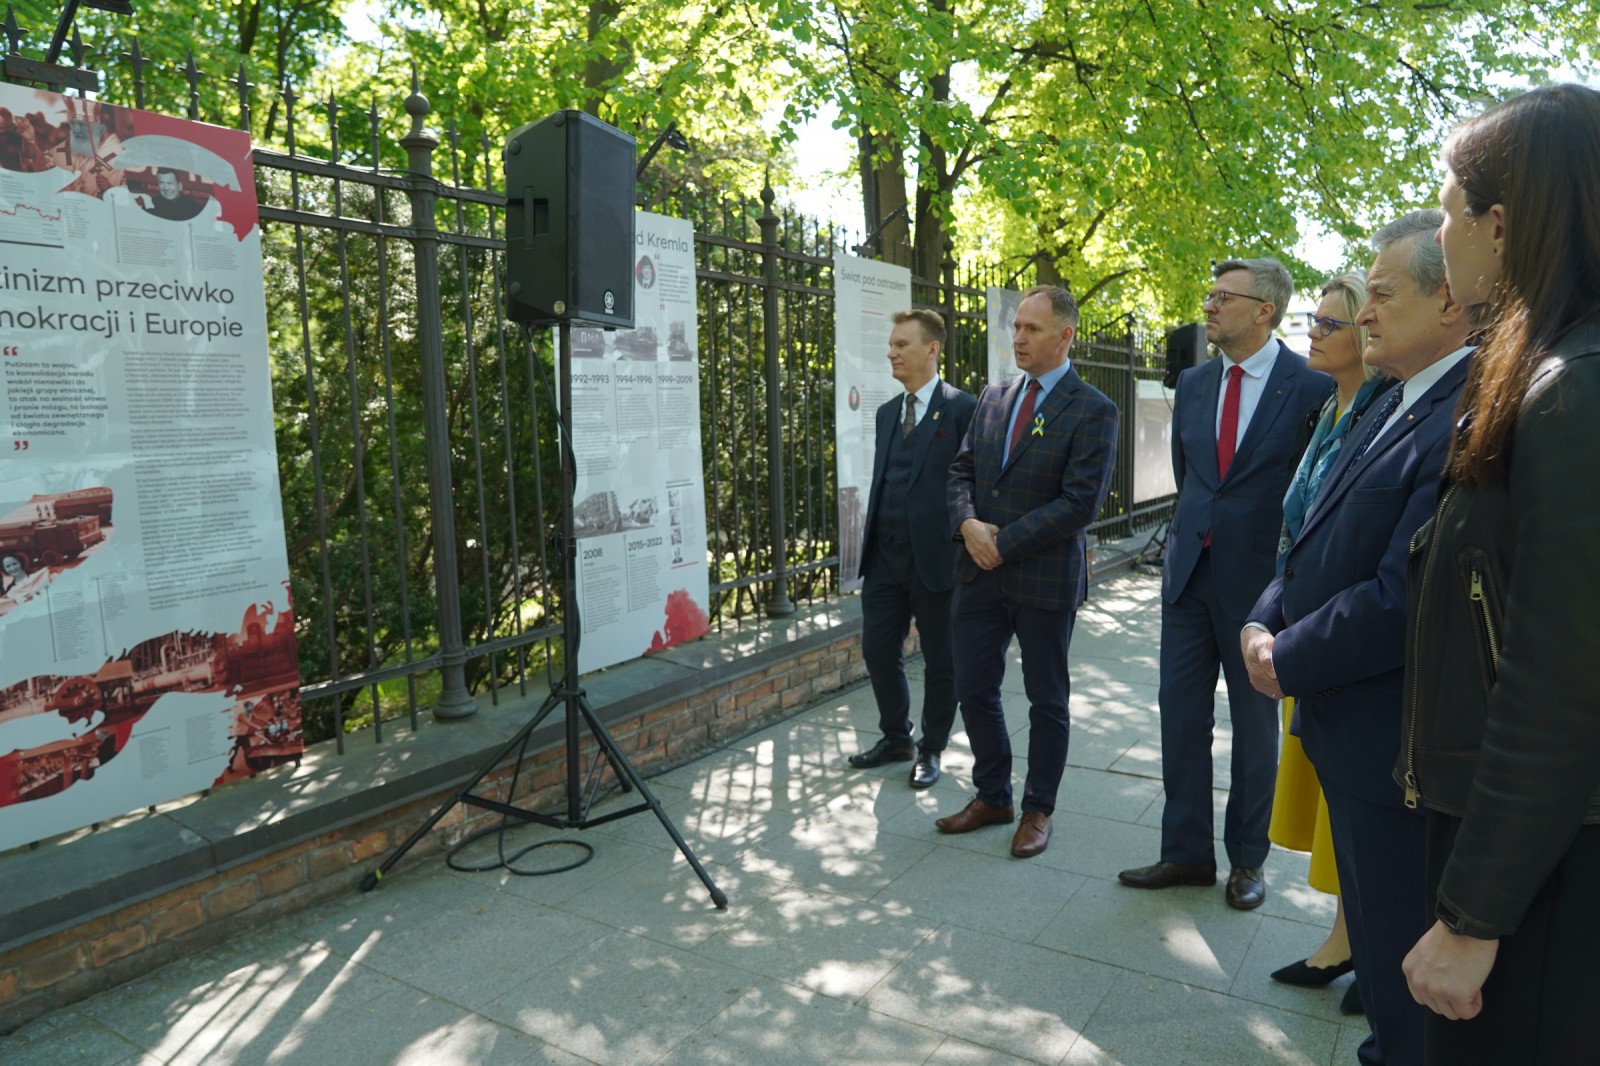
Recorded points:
1503,665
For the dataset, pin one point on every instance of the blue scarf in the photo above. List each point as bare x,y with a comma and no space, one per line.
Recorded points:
1319,457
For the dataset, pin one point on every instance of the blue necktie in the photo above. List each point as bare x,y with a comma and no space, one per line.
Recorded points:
1380,418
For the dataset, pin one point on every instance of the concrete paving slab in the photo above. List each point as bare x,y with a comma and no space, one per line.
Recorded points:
246,1012
472,954
1147,1021
1001,897
1119,797
422,1031
68,1038
956,1052
1185,934
780,1025
662,899
621,1001
830,944
1022,1000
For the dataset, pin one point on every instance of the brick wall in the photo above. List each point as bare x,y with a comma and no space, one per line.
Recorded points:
109,949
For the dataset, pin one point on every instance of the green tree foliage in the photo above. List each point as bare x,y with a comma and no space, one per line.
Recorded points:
276,43
1127,143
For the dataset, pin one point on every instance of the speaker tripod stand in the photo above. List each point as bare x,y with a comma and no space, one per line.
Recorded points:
566,694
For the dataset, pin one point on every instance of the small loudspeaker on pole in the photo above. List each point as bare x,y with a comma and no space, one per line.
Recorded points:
569,222
1186,347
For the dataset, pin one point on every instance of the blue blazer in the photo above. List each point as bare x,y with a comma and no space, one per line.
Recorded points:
1339,607
1243,512
932,551
1044,497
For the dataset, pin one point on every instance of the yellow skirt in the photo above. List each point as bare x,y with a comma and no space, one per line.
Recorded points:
1300,813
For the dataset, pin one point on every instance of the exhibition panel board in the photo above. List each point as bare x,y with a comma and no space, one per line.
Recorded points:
146,637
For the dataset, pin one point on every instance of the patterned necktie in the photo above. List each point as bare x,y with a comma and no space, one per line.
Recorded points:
911,415
1024,416
1228,434
1380,418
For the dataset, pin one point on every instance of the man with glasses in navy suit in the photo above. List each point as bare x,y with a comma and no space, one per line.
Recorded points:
1030,476
1236,423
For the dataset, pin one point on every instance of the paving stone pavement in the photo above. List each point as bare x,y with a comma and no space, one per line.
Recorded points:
855,933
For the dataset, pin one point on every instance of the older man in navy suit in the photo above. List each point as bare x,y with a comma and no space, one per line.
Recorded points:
1236,424
1330,630
1030,476
908,558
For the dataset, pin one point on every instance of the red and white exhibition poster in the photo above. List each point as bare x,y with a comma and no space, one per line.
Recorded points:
640,518
146,640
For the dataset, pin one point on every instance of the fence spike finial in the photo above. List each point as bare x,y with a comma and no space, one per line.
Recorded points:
192,72
13,31
136,60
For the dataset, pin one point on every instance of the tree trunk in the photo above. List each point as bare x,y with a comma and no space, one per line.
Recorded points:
883,193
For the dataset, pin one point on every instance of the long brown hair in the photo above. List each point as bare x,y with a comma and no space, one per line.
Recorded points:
1537,155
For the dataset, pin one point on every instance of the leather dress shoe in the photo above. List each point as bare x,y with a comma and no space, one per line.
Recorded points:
1246,890
1032,836
925,771
1303,975
975,815
1351,1003
1167,874
884,751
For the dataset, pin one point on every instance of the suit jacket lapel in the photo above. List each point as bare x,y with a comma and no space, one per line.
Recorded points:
1284,370
1002,417
1212,380
1055,402
880,457
931,414
1344,473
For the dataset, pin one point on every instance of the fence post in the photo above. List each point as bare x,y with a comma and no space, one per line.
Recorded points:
947,277
1128,429
454,700
779,605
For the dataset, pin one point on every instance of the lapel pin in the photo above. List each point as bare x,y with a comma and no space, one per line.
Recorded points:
936,416
1038,425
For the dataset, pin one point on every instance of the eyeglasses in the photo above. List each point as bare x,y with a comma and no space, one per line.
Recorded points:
1218,297
1324,327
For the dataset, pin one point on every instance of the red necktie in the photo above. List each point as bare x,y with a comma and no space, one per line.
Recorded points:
1024,416
1228,435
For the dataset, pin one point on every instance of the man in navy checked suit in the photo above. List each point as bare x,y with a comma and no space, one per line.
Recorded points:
1031,474
1220,553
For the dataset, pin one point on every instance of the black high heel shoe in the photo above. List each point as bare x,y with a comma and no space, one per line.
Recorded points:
1302,975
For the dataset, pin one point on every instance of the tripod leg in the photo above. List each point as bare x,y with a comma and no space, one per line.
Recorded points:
628,774
370,882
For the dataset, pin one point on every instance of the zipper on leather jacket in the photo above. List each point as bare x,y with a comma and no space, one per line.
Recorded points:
1475,594
1413,793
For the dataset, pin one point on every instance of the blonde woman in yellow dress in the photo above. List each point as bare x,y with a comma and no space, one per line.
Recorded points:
1299,813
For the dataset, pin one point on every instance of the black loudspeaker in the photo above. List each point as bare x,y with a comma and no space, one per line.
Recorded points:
1186,347
569,222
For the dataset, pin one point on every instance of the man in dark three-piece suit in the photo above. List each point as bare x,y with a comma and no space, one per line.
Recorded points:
1030,476
908,559
1330,630
1236,423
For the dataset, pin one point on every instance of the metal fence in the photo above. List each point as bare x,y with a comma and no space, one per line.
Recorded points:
415,426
